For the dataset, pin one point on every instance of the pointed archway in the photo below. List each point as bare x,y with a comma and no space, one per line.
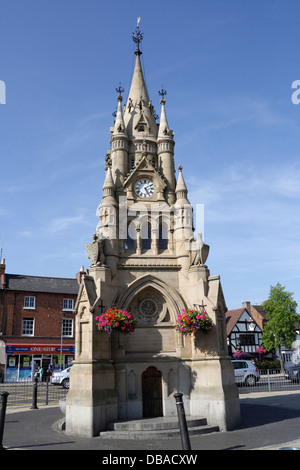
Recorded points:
175,301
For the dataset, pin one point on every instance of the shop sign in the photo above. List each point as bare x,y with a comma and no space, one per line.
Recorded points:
38,349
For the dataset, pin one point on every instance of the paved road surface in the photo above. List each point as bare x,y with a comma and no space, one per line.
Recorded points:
269,421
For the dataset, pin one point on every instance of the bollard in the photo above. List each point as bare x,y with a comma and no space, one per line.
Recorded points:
34,394
47,388
3,403
185,440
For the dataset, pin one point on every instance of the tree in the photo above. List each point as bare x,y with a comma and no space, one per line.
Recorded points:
281,316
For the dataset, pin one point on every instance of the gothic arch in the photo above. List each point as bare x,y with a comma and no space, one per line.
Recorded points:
170,295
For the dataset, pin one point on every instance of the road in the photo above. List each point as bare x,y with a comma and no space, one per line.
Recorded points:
267,420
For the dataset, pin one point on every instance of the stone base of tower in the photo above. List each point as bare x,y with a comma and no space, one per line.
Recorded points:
92,401
134,376
215,395
206,384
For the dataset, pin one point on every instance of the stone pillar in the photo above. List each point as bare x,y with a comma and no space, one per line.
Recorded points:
92,399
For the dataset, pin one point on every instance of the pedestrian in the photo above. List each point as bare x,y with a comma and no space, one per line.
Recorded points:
50,369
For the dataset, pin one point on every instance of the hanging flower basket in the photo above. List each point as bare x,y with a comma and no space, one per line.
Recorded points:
192,321
115,319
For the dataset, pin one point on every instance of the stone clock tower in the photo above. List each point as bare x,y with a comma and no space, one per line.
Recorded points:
146,259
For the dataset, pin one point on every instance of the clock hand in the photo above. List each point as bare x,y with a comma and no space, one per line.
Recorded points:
147,187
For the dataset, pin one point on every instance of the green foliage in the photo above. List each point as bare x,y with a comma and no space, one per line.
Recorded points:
264,365
281,314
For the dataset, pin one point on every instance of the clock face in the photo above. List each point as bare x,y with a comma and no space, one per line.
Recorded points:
144,188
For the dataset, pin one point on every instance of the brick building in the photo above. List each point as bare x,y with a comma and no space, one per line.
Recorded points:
36,320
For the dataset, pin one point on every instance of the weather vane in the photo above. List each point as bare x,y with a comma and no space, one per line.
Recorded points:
162,93
137,36
120,90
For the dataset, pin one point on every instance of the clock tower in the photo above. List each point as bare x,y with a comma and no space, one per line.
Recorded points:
145,259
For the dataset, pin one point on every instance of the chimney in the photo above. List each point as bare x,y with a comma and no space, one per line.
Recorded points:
2,274
80,275
247,306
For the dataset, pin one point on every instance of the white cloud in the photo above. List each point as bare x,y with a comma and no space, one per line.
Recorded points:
64,224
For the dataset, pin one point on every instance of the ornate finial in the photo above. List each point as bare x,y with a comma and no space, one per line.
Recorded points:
120,90
137,36
162,93
180,168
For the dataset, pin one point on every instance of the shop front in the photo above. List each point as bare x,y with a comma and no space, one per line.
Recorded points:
23,360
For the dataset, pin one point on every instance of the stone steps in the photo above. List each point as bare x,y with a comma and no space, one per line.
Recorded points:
156,428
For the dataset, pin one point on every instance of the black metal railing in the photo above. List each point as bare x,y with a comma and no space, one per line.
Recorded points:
270,380
27,391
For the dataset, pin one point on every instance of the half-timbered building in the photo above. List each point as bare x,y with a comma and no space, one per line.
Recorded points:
244,328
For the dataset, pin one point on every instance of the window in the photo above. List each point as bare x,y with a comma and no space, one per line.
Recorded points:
163,237
240,365
68,304
67,327
29,302
130,240
28,327
146,236
247,340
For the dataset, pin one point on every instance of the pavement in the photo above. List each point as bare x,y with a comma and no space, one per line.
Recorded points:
270,421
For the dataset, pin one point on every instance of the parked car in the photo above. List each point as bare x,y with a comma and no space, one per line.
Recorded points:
61,377
245,372
293,374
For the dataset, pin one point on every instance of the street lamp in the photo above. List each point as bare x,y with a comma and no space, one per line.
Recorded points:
61,340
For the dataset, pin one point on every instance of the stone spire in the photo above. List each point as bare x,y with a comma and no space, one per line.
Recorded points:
108,183
119,126
108,189
183,228
119,146
181,189
163,130
165,150
139,112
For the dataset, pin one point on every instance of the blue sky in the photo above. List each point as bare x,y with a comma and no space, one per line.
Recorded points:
228,67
